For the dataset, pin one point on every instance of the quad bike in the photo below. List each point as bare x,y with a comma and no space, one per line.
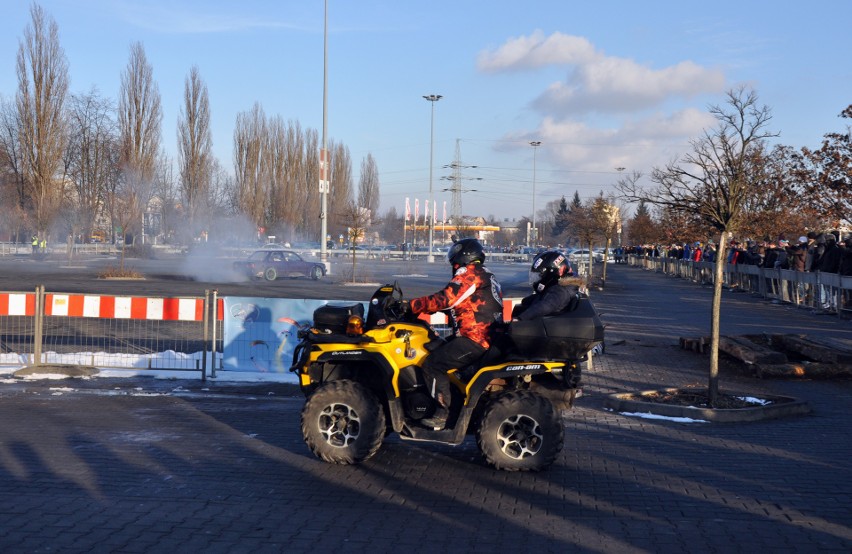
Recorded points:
362,380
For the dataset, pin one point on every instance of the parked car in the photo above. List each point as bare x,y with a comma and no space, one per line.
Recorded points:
273,263
579,256
598,255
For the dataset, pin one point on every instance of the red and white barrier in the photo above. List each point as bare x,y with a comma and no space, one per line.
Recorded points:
124,307
17,304
107,307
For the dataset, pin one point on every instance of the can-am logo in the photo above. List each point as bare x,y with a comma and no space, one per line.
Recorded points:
346,352
527,367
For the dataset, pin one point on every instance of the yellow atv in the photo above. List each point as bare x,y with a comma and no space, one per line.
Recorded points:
362,380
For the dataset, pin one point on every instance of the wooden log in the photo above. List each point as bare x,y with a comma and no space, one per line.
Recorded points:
814,370
816,349
695,344
779,370
750,352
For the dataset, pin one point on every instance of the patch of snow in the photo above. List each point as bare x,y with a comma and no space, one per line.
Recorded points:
753,400
667,418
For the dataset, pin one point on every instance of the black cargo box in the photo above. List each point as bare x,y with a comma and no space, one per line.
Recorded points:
563,336
333,317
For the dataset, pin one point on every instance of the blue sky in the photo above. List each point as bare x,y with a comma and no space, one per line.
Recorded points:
600,84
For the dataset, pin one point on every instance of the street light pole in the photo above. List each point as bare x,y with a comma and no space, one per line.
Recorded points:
535,144
324,159
432,98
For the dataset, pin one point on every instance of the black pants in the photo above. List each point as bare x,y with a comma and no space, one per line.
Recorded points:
456,354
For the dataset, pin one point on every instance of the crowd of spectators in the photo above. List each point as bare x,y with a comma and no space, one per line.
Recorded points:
824,252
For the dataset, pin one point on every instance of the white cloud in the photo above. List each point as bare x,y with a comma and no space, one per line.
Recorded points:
637,144
537,50
621,85
609,111
596,82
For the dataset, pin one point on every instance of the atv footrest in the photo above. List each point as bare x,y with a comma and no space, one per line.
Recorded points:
447,436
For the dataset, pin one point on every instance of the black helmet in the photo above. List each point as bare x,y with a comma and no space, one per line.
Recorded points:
547,268
466,251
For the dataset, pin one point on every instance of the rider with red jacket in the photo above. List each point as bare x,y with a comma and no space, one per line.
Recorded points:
475,302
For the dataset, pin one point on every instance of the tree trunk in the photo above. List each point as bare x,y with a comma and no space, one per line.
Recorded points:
715,320
590,265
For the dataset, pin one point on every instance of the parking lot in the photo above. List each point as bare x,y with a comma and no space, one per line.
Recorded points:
145,465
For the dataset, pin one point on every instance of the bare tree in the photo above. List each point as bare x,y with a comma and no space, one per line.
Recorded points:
42,89
13,192
782,177
368,186
194,145
606,218
830,168
93,156
250,142
139,119
295,179
713,182
340,177
585,225
276,166
166,218
308,189
221,190
356,219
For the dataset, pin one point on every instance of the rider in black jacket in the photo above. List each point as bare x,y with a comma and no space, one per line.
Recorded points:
552,290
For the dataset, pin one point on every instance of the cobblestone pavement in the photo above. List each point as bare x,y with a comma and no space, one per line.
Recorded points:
144,465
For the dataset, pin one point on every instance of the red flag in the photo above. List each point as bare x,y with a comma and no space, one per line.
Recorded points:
426,212
407,209
416,209
434,212
444,221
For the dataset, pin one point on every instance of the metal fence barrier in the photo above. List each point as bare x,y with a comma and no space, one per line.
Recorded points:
828,292
118,332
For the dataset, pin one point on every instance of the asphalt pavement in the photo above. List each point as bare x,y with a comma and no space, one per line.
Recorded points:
145,465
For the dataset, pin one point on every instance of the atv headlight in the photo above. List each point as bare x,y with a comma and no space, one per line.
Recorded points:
354,326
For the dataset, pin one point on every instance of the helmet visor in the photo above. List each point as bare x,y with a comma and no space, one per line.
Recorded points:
535,278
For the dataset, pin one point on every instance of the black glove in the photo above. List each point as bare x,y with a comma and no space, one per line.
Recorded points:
398,309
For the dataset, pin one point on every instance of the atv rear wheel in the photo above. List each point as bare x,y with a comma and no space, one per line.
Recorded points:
520,431
343,422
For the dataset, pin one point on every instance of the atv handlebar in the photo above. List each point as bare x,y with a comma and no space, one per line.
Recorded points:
399,310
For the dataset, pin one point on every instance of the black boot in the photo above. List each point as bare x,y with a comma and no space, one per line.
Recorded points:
438,419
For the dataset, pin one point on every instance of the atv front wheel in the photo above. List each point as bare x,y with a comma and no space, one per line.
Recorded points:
520,431
343,422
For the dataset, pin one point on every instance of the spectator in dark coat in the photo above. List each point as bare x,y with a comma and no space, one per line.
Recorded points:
829,262
770,255
809,260
846,258
709,254
816,251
